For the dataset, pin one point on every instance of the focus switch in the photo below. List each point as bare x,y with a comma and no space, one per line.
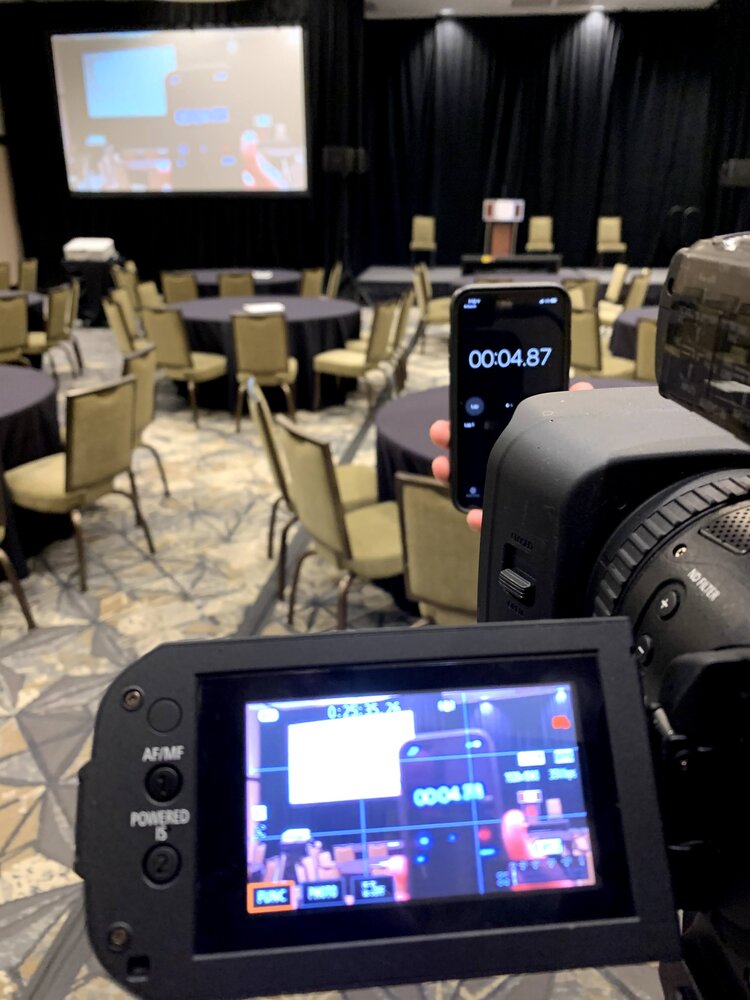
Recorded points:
517,585
163,783
164,715
161,864
667,603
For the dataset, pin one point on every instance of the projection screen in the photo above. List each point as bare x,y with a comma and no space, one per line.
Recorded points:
219,109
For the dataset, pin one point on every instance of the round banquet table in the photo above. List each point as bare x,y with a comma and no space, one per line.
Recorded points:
276,281
28,430
315,325
625,330
35,301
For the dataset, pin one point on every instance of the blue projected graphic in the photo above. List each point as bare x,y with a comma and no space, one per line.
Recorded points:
128,83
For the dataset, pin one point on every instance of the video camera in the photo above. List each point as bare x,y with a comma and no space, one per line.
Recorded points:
295,814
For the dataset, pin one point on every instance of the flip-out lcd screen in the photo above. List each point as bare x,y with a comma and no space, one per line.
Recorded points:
391,797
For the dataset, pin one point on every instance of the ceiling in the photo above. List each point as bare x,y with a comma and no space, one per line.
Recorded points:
388,9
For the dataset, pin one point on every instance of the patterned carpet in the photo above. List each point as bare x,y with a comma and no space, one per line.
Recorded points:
210,577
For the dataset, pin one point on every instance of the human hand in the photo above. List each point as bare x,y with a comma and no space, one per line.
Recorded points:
440,435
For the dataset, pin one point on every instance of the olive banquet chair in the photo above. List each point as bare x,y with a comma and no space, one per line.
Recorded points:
125,280
357,484
57,332
612,294
261,349
441,552
432,311
122,298
395,364
4,276
333,285
10,571
609,236
577,298
141,365
588,355
645,350
14,329
539,239
165,328
588,290
148,295
362,543
178,286
423,236
355,364
99,443
634,299
236,283
311,282
116,323
28,271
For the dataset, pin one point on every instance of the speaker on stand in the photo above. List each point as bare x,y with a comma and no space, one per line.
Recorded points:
345,163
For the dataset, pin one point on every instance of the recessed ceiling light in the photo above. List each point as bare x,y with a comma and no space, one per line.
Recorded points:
447,12
599,7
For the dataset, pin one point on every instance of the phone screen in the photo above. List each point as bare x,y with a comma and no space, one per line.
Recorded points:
507,342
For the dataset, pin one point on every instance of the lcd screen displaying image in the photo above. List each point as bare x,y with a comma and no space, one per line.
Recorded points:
388,798
161,111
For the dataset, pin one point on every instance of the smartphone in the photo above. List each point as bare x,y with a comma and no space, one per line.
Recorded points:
507,342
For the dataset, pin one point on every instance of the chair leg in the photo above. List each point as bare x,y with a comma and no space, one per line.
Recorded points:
295,582
78,354
193,402
291,408
15,584
282,555
272,524
343,592
159,465
75,520
419,337
238,406
139,518
316,393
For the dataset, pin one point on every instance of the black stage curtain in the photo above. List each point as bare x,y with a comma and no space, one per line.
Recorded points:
626,115
165,232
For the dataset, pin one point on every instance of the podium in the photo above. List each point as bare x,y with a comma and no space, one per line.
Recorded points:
501,217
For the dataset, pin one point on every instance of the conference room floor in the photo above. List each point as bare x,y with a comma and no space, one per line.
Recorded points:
210,577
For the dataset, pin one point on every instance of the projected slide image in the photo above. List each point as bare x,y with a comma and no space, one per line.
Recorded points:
419,795
208,110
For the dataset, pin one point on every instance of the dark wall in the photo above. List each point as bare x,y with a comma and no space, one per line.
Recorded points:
181,231
581,116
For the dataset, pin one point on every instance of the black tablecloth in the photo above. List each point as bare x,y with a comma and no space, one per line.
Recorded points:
96,280
315,325
28,430
280,282
36,308
625,330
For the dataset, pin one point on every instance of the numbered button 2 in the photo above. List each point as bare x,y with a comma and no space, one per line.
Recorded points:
161,864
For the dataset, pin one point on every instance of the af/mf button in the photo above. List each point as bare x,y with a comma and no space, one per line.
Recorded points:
163,783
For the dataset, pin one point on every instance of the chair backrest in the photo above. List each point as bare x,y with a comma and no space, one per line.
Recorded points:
638,290
234,283
131,267
75,298
616,283
178,286
149,296
166,330
645,350
262,419
126,280
28,271
142,366
116,324
609,229
589,289
419,292
261,343
311,283
441,552
334,280
379,344
405,304
313,487
585,345
58,311
14,324
577,299
122,298
423,232
540,229
4,275
100,433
